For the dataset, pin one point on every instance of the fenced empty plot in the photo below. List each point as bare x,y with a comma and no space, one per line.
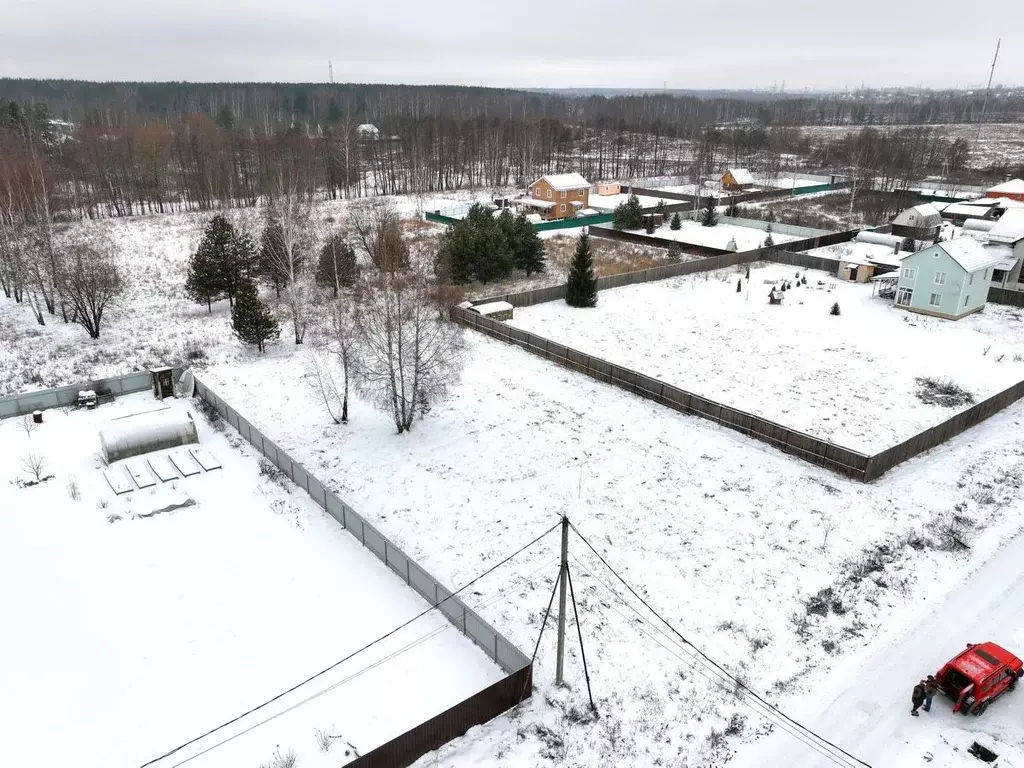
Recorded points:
834,388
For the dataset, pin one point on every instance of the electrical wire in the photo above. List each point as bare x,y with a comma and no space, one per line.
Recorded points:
738,683
695,663
446,625
354,653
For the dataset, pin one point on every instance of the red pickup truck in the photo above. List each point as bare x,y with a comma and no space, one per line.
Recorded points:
977,676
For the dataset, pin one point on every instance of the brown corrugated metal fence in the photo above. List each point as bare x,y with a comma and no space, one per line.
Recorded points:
450,724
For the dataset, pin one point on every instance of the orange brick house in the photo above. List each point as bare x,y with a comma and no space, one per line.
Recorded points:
558,196
1013,189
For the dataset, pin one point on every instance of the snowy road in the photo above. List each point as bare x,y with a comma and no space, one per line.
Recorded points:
868,712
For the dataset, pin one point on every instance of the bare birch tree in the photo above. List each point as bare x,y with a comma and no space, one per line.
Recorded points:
290,210
335,356
410,357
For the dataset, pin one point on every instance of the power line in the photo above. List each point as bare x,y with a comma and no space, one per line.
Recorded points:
354,653
707,672
711,661
409,646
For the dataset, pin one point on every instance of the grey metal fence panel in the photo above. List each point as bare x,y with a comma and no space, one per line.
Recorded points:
423,583
56,397
335,508
451,607
317,491
398,562
479,631
373,540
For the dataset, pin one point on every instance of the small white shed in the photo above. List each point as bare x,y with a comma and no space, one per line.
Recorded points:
496,310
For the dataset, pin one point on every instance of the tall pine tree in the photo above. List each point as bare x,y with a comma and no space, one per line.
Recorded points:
240,266
581,290
203,281
223,260
251,319
527,249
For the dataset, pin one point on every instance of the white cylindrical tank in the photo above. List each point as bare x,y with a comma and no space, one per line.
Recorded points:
978,225
147,432
877,238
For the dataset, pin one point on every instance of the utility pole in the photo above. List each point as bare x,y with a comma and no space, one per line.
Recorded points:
562,574
330,72
991,72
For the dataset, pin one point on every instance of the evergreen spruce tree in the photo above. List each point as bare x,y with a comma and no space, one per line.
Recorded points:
526,247
336,265
455,254
628,215
205,282
769,241
909,245
650,225
709,217
581,290
661,208
251,319
739,285
677,222
675,253
240,265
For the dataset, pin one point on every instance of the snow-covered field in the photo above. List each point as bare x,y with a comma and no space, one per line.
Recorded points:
608,203
849,379
725,536
719,236
129,632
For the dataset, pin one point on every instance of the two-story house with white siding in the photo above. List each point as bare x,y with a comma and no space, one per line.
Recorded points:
949,279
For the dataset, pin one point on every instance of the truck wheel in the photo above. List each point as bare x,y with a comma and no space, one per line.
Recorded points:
980,709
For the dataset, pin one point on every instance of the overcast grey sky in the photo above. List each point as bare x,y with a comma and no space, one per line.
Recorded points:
526,43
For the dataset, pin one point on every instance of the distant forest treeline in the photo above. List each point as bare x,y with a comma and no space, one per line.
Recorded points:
130,148
268,105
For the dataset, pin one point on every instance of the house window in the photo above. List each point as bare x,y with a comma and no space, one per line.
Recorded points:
909,273
940,278
549,194
564,194
935,255
967,299
904,296
970,279
536,191
935,299
986,274
561,208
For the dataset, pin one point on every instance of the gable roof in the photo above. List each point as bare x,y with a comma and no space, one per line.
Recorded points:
1012,187
968,253
561,181
928,213
1010,228
741,175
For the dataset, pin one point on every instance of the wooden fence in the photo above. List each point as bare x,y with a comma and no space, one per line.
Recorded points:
807,447
1004,296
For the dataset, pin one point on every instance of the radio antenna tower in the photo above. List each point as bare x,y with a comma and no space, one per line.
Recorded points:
991,72
330,72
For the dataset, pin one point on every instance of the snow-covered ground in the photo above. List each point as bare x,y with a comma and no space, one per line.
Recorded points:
858,252
726,536
608,203
847,378
718,236
866,705
129,632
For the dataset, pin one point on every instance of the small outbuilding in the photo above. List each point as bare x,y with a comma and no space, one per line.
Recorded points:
922,222
496,310
737,179
855,271
609,188
958,213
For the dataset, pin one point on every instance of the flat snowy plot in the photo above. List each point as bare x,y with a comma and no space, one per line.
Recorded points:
724,535
849,379
123,639
718,236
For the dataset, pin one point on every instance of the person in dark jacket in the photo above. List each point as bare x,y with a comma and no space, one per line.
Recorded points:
917,698
931,687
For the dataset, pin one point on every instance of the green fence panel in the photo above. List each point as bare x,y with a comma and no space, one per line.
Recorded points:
582,221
